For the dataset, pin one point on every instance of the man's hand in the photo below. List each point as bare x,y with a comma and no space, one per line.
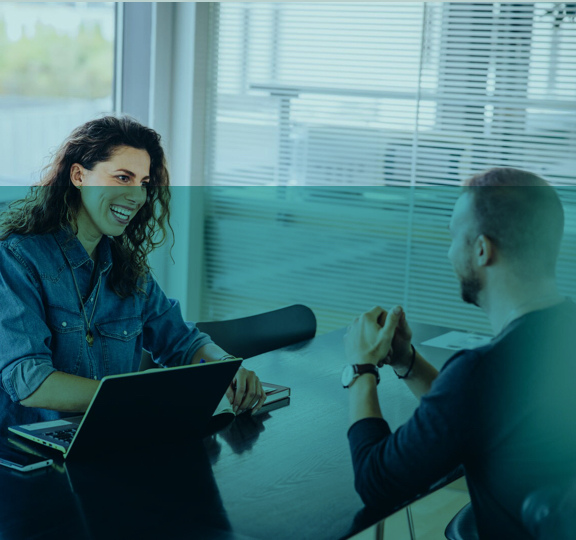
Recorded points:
400,353
246,392
368,341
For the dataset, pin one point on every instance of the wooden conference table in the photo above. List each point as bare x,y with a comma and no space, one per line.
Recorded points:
285,474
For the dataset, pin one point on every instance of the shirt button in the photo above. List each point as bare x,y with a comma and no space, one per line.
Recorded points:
64,324
125,333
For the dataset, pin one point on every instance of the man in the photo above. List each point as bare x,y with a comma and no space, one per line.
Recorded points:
505,411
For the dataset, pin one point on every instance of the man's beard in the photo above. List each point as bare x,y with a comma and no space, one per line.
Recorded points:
470,287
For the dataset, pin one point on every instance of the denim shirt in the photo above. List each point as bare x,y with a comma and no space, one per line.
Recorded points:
43,328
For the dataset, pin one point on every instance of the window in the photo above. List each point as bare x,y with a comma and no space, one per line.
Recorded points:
56,72
340,132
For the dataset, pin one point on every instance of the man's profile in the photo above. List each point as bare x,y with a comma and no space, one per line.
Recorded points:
505,411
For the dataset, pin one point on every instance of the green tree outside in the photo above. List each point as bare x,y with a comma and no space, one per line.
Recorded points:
50,64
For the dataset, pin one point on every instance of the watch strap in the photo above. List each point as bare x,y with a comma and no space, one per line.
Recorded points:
361,369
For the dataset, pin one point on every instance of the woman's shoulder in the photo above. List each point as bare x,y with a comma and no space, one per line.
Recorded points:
148,286
15,241
28,246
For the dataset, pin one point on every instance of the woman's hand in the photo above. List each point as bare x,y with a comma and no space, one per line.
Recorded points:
246,392
367,340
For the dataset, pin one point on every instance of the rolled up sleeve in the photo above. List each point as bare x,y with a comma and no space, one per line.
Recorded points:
25,356
170,339
25,377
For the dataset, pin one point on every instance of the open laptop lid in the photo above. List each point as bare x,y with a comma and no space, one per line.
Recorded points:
154,407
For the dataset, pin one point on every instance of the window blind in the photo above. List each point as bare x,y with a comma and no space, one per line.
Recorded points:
339,134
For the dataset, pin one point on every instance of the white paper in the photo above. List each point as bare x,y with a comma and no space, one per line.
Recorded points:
456,340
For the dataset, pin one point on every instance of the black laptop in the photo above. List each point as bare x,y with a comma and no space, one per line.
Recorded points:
139,409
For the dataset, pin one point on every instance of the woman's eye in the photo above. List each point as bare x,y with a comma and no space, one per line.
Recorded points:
123,178
145,185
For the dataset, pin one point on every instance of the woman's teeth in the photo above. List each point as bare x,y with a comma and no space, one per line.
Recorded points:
120,213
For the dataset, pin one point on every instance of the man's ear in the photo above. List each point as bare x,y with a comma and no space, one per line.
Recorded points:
77,174
485,251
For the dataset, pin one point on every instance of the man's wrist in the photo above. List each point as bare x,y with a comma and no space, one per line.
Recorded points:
404,370
369,378
351,372
400,361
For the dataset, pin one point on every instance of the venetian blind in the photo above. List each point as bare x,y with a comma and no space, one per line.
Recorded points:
339,133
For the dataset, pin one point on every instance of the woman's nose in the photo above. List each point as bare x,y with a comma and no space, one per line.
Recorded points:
136,195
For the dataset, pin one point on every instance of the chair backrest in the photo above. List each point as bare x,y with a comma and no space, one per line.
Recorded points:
251,336
550,512
463,525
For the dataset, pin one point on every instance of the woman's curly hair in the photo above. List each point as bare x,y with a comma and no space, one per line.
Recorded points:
55,203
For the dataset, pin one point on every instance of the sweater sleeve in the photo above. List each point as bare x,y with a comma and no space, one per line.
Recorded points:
391,468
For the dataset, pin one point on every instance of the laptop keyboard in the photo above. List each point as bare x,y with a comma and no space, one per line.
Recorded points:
64,435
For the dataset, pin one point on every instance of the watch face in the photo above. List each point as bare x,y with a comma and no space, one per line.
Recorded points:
348,375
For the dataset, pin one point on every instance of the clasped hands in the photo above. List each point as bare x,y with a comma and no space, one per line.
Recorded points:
381,338
376,337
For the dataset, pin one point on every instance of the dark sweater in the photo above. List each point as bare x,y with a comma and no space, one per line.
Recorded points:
506,412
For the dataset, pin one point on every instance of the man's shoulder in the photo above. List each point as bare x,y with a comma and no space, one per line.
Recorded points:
530,345
466,359
568,307
556,322
463,369
546,324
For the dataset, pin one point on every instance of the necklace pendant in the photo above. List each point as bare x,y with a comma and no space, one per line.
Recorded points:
89,338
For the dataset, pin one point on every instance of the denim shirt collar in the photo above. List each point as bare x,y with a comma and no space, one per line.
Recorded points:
76,254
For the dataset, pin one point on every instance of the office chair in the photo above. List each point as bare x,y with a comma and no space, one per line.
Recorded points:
463,525
257,334
550,512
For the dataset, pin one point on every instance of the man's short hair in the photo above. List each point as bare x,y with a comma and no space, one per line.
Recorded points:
522,215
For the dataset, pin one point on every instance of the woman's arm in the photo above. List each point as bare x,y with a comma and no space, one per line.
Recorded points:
63,392
27,372
162,323
209,353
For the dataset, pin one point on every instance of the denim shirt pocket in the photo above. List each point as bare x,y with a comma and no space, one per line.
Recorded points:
67,330
119,343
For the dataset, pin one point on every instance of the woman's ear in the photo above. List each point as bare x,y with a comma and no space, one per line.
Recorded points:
77,175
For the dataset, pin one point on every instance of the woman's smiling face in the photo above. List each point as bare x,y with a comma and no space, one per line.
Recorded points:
112,193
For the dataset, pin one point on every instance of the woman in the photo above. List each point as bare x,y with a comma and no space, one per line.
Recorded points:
78,298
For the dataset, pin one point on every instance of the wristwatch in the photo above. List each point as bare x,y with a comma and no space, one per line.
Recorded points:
353,371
